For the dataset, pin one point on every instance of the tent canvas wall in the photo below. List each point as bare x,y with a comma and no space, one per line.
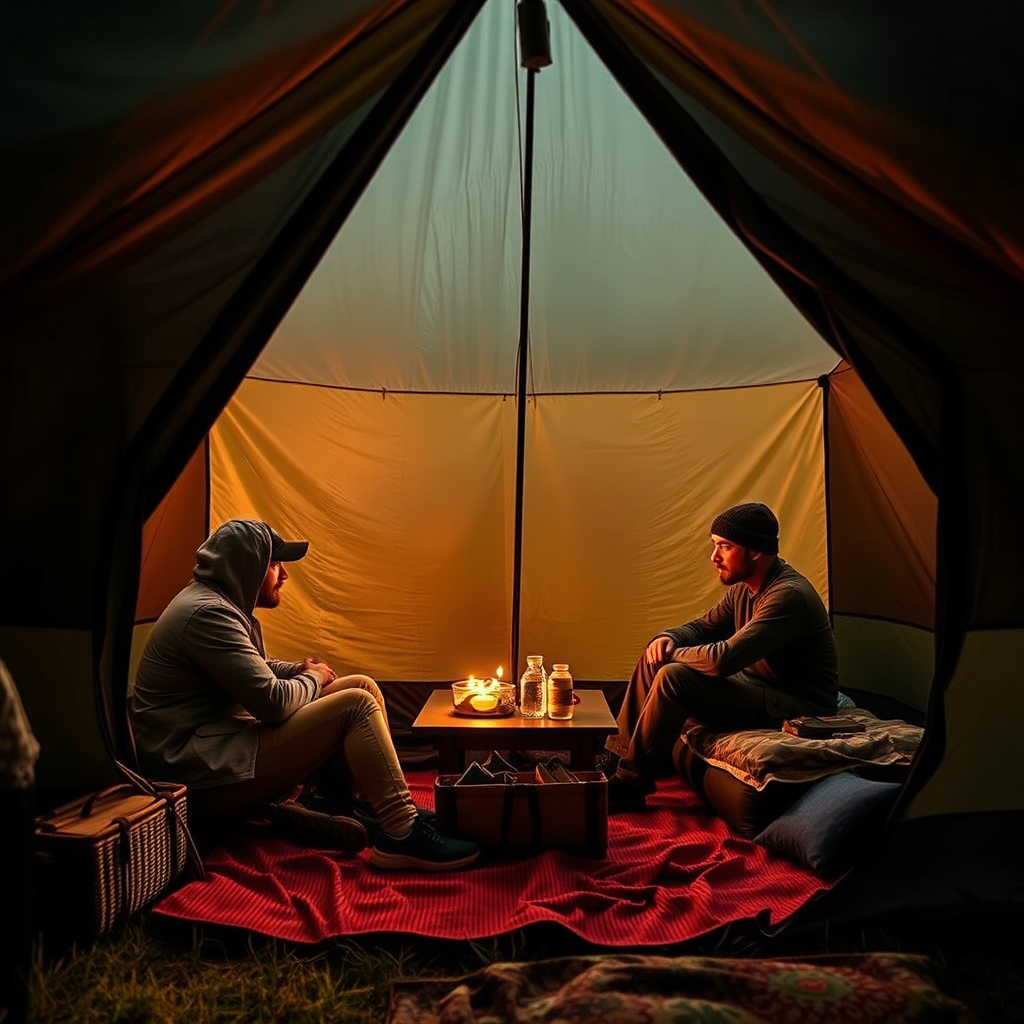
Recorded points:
667,375
172,182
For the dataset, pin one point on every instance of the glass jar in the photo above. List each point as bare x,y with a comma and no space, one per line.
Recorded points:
560,692
532,688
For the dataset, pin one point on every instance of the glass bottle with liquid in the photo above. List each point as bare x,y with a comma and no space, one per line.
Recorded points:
532,688
560,692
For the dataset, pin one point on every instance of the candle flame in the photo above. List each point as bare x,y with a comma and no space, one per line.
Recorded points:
479,695
487,685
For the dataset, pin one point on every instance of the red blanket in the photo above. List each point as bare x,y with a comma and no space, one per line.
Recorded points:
672,873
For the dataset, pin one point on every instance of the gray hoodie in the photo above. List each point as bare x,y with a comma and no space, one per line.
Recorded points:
204,682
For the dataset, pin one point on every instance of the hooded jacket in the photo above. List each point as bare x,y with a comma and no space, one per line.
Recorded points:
204,683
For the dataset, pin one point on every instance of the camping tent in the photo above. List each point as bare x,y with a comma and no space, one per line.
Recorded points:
175,178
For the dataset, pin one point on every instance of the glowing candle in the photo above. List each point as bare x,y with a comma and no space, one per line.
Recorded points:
481,698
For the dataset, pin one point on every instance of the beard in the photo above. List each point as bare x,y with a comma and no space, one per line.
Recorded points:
737,574
268,598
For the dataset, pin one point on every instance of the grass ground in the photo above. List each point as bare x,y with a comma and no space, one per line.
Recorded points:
155,971
146,973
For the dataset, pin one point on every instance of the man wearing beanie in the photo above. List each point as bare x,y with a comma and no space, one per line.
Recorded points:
764,653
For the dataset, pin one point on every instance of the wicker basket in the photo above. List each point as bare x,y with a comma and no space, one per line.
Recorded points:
108,854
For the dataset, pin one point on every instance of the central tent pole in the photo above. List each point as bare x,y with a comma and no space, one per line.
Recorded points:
523,360
535,53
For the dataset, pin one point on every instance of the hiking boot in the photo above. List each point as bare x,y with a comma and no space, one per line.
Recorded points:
623,796
333,831
423,849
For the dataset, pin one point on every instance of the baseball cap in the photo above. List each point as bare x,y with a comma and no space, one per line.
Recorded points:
286,550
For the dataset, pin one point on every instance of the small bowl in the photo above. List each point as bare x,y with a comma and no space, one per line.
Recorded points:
483,698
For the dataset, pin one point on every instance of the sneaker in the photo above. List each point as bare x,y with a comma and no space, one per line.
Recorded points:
623,796
348,806
314,800
335,831
362,811
423,849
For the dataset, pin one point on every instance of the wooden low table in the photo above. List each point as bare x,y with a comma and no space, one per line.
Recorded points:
583,735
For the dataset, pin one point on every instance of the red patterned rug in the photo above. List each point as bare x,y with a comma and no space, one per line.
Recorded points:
867,988
672,873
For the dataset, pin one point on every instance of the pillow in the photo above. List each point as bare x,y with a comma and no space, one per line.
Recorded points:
828,823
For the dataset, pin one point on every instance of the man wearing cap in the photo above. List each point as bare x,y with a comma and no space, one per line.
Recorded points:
241,730
764,653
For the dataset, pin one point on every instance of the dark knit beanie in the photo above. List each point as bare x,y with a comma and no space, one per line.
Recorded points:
751,525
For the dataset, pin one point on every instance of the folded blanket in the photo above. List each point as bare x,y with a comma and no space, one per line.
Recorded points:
760,756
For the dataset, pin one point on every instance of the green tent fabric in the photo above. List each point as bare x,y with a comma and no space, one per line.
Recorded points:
173,178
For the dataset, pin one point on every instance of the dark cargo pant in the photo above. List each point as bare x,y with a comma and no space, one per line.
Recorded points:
657,703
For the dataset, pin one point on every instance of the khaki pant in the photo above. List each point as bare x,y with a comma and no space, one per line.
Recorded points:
343,734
